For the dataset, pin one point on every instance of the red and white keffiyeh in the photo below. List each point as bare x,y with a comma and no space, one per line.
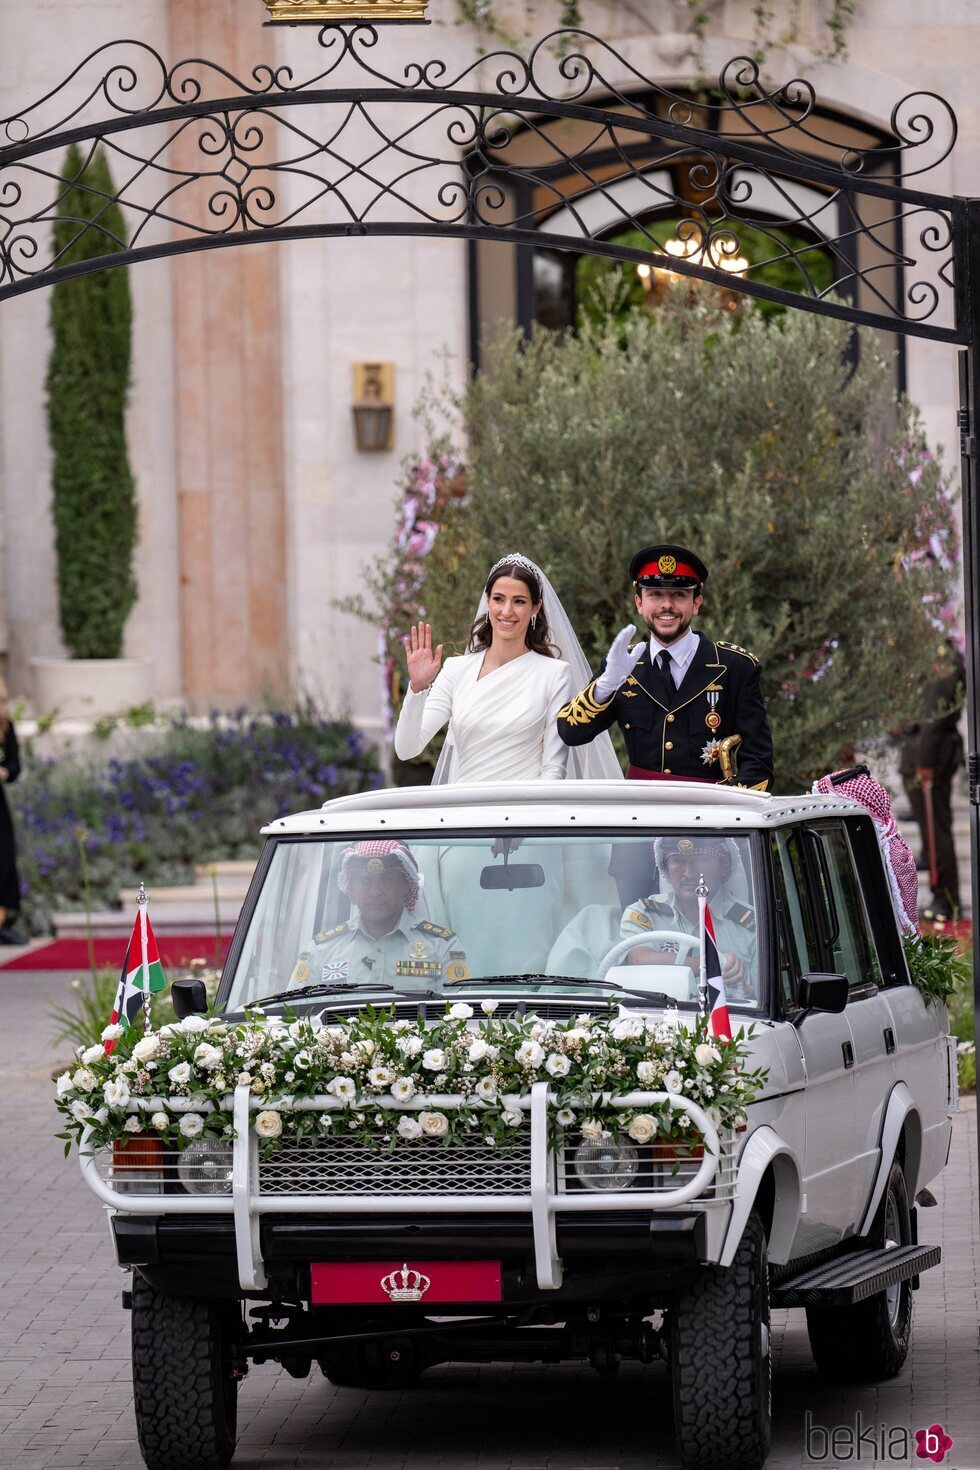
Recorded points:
899,861
379,848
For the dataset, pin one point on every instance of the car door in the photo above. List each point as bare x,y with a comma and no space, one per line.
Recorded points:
847,944
825,1101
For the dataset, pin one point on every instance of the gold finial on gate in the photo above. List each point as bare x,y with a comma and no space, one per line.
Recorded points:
329,12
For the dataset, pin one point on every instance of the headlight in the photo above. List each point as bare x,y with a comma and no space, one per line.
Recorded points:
137,1164
606,1165
204,1167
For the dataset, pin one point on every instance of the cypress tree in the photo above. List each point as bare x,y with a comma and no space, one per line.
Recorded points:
94,501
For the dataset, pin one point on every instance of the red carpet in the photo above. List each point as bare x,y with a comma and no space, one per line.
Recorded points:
73,954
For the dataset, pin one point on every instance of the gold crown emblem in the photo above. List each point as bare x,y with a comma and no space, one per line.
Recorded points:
667,565
406,1285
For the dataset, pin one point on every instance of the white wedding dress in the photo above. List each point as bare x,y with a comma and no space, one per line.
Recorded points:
502,727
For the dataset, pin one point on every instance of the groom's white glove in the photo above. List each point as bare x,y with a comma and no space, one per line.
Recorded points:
620,663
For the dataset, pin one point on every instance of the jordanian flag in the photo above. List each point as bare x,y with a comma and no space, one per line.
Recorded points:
142,973
711,977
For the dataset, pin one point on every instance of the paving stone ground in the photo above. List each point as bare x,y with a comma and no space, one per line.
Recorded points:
65,1399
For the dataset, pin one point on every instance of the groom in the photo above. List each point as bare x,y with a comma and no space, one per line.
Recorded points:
677,695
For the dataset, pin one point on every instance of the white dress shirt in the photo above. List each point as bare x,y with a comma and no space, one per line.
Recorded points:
680,652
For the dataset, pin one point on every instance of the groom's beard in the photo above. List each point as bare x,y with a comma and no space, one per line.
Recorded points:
679,628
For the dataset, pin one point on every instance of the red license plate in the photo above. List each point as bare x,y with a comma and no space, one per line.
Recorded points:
404,1283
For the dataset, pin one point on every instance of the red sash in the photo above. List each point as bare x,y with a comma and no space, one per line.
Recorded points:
640,773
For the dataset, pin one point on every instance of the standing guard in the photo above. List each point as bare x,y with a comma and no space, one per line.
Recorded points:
689,708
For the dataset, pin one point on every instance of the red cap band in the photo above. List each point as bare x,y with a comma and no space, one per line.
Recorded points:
680,569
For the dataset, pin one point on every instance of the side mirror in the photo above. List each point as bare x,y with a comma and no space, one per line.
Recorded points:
823,993
513,875
189,997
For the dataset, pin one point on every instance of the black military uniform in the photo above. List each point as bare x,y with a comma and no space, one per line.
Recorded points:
937,746
677,731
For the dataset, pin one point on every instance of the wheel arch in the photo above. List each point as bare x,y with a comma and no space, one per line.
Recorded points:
901,1139
769,1181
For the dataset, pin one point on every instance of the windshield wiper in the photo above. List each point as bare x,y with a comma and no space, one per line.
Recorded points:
579,980
324,988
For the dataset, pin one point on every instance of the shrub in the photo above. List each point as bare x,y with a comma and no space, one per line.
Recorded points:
194,793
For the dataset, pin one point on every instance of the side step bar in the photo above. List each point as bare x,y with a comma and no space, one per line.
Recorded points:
855,1277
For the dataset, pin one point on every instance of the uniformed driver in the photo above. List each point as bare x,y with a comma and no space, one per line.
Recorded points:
383,940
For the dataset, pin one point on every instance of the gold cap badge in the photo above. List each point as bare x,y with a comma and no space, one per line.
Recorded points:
667,565
685,845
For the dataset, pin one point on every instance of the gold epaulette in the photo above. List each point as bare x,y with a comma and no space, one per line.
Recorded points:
330,933
635,917
740,914
736,648
583,709
435,929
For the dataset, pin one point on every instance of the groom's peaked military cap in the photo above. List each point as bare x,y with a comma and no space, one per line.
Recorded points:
667,566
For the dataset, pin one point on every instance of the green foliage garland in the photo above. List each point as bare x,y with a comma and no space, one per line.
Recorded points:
937,969
94,501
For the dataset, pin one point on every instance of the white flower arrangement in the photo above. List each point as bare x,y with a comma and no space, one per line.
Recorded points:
462,1073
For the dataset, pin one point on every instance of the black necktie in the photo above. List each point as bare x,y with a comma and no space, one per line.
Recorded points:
666,677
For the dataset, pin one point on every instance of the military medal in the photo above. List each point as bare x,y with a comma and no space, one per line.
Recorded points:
334,970
713,719
710,752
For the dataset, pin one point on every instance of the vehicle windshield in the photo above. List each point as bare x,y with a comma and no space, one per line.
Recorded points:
430,915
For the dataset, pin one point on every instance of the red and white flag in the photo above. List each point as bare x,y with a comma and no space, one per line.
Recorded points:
711,978
142,974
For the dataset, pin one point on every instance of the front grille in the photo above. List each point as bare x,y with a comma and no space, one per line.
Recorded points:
346,1167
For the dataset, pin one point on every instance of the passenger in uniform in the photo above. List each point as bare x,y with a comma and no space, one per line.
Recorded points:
677,695
681,861
383,941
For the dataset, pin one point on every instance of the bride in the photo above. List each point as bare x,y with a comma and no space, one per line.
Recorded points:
502,696
501,699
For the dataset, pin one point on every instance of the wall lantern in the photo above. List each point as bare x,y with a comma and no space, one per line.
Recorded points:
330,12
374,405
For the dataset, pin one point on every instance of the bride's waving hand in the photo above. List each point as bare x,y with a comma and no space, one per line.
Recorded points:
423,664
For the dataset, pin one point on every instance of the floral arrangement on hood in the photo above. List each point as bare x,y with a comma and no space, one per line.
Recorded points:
406,1082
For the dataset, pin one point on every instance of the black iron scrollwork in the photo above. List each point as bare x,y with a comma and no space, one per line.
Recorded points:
201,155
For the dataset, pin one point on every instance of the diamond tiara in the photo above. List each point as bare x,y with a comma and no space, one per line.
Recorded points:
516,560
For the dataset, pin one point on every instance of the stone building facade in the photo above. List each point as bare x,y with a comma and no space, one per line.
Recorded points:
256,508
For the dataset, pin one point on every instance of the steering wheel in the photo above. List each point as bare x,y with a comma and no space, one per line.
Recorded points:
685,943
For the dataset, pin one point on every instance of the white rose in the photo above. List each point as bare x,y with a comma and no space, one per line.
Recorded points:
268,1124
381,1076
180,1074
673,1081
434,1125
160,1122
530,1054
591,1130
92,1054
191,1125
627,1028
112,1032
399,1027
207,1057
409,1127
296,1030
486,1090
133,1125
116,1093
557,1065
478,1050
488,1006
647,1071
403,1088
80,1111
434,1059
343,1087
642,1128
84,1080
704,1055
146,1049
513,1117
192,1025
576,1036
63,1084
460,1011
410,1046
565,1117
364,1048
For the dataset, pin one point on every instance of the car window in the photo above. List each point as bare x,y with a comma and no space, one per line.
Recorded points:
842,916
428,912
800,951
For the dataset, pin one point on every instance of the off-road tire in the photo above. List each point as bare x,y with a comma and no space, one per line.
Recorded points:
721,1370
185,1393
868,1341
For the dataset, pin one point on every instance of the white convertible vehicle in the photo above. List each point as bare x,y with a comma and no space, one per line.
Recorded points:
376,1253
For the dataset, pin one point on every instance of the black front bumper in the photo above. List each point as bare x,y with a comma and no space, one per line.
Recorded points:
603,1255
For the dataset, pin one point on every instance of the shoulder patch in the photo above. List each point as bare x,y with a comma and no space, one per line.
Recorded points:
656,907
635,917
435,929
740,914
736,648
329,933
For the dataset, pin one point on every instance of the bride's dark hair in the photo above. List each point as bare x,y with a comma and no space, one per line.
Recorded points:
537,638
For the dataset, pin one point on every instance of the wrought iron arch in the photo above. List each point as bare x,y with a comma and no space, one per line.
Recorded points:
206,160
